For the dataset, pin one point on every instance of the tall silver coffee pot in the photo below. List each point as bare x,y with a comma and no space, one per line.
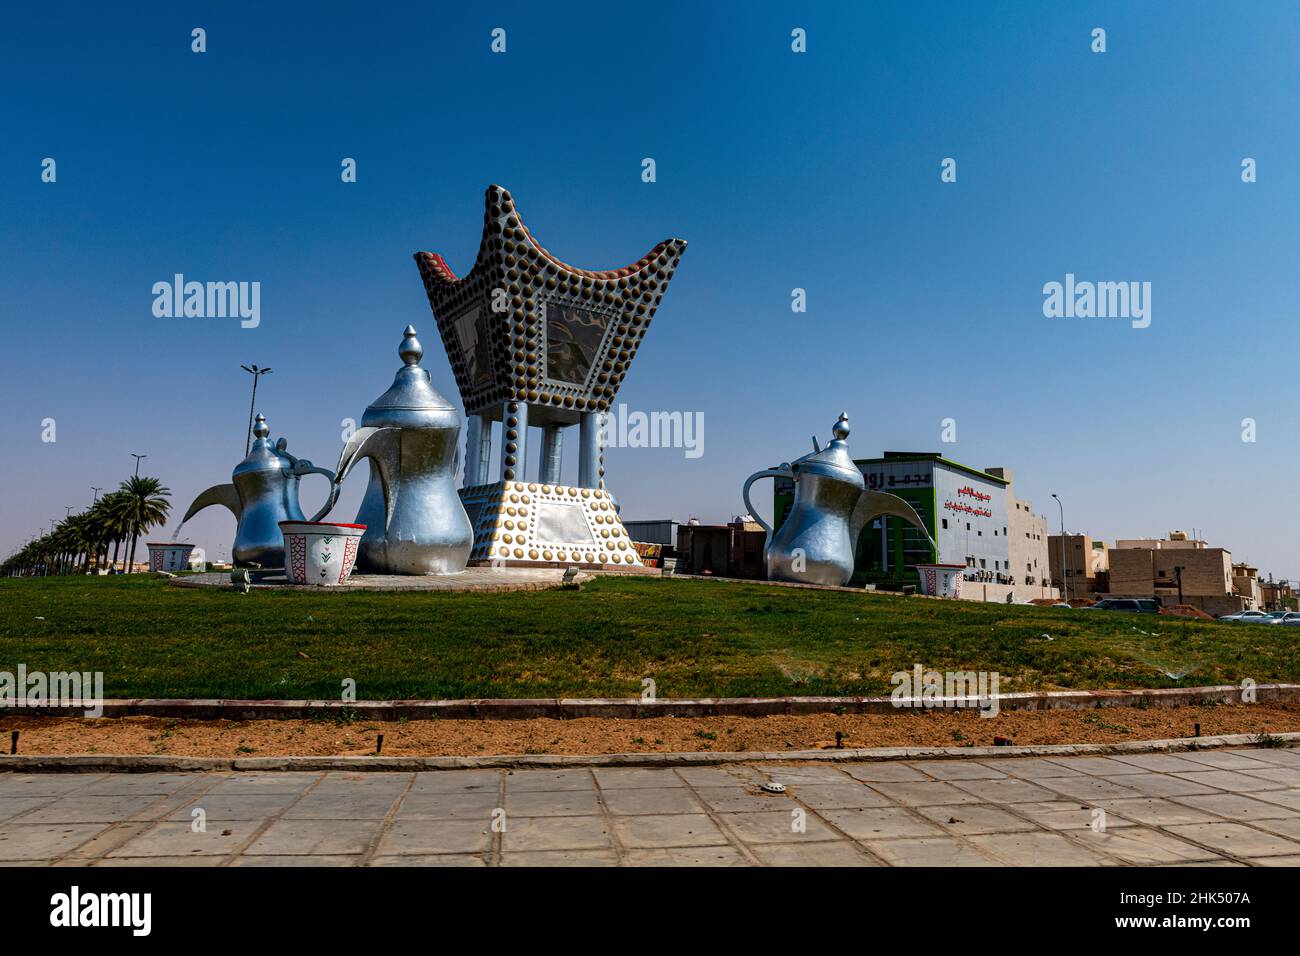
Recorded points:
415,522
816,544
262,492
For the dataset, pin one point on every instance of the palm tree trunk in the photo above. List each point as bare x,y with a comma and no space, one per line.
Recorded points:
135,536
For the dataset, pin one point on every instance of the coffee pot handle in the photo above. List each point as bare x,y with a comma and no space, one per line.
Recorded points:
783,472
303,467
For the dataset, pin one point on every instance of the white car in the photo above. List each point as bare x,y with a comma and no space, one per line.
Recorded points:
1250,617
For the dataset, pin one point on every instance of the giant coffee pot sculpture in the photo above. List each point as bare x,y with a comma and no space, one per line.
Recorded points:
816,543
415,523
262,492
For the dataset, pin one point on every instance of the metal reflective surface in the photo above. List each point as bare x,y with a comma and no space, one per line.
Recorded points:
817,541
415,522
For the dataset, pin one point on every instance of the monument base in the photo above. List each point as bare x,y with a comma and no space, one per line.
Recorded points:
530,524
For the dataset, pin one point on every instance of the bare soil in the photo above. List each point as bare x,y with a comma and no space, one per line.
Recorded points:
600,735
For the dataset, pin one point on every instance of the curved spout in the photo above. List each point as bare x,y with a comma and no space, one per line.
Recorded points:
382,446
873,504
217,495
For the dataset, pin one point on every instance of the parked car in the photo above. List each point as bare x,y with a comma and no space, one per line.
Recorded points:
1285,617
1250,617
1139,605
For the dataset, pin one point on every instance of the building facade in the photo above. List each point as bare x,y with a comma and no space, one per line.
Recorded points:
1205,577
1086,571
1027,536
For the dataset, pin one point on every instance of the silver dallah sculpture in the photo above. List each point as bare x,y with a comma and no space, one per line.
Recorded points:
415,522
816,543
263,491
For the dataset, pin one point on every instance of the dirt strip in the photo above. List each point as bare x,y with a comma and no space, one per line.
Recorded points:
341,735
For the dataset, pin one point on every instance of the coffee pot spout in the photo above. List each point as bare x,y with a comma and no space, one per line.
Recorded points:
874,504
383,447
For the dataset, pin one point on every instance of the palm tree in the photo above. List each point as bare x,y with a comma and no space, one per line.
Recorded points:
144,503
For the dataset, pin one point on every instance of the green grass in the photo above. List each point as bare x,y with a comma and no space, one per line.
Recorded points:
693,638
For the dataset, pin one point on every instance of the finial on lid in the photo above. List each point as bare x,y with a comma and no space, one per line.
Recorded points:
840,430
410,350
261,430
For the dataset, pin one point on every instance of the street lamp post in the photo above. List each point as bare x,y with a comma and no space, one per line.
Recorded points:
96,491
1065,585
137,462
257,373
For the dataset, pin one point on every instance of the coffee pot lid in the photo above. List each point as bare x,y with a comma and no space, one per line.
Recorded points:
261,454
411,399
834,460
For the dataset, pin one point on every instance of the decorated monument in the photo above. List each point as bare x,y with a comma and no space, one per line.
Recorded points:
537,343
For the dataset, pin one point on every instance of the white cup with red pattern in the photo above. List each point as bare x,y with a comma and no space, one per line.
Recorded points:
320,552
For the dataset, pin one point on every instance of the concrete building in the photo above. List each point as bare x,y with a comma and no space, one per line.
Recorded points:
1278,595
1205,576
732,550
1086,571
1027,536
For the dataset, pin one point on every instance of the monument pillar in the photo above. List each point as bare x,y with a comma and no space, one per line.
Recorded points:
551,460
478,449
589,450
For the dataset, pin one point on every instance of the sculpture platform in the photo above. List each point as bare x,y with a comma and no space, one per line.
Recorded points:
471,579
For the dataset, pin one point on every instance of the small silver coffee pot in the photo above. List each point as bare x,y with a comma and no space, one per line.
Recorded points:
415,522
817,541
262,492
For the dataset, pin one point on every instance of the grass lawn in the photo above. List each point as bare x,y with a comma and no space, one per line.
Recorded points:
694,638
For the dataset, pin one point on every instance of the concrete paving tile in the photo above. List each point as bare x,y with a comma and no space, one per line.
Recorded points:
1286,776
257,782
556,833
733,775
1033,768
875,823
247,806
1067,815
1088,788
178,839
83,808
469,805
45,784
799,776
1160,785
106,841
1279,756
1234,781
1142,846
456,781
1277,860
617,778
342,805
1236,806
138,784
1226,759
686,856
295,861
776,826
567,858
157,861
884,771
11,807
43,841
924,794
447,859
829,853
833,796
1236,839
1289,828
311,837
1096,766
1160,763
958,769
737,799
680,829
651,800
1010,790
552,803
1155,812
1036,848
931,851
1222,862
432,837
975,818
521,780
1283,798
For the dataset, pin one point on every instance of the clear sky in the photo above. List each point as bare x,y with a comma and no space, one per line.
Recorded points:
818,171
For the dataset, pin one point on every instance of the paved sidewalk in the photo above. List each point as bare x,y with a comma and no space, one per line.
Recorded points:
1210,808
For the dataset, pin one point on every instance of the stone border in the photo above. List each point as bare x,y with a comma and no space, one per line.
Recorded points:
569,708
152,763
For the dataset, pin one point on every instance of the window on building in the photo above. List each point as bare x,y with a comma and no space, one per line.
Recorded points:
967,525
980,533
945,523
983,563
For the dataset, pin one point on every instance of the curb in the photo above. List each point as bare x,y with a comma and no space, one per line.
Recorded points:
155,763
631,707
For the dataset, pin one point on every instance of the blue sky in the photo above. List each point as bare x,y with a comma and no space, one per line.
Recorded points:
818,171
